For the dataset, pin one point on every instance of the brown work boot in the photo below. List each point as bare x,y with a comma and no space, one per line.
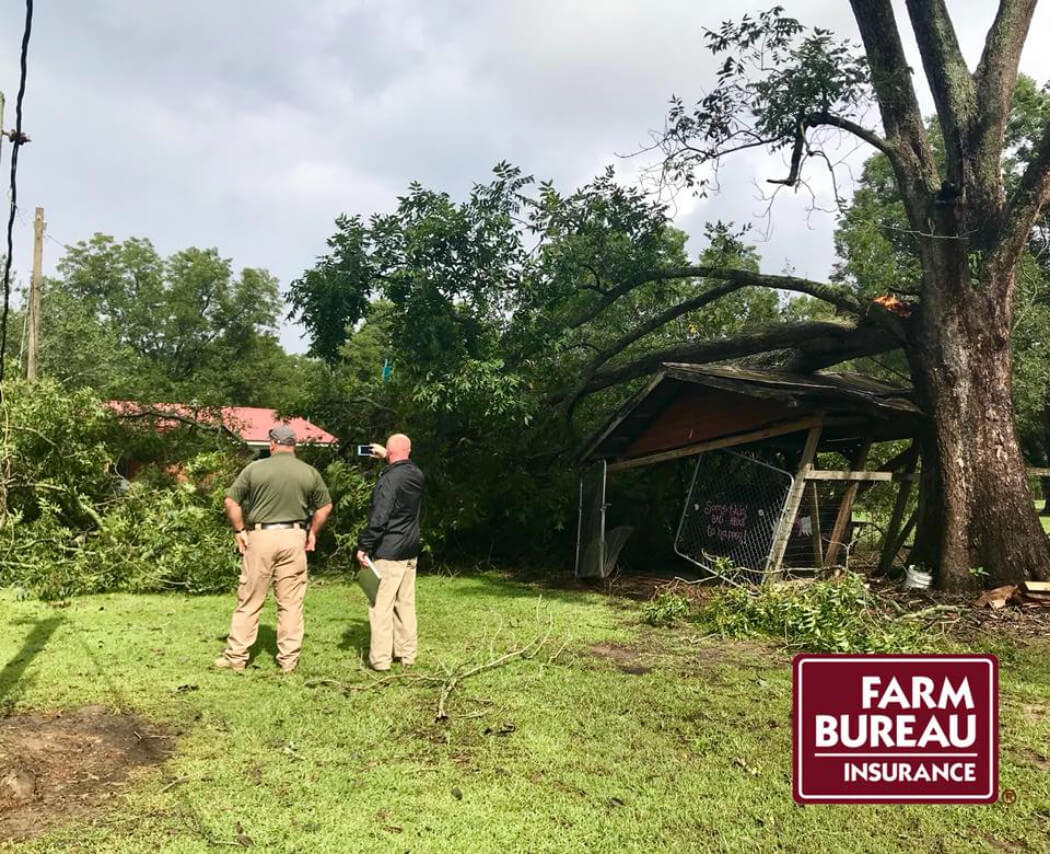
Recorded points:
223,663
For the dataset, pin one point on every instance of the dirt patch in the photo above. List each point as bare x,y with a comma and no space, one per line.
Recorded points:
62,767
616,653
1034,712
1035,759
627,659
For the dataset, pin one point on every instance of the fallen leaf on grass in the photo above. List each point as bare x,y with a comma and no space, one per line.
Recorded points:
392,828
457,793
502,729
615,802
185,689
754,772
289,750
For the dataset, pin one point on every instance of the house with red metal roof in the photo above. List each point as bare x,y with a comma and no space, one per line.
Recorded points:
250,424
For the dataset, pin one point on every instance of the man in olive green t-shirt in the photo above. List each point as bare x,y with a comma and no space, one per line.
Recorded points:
268,506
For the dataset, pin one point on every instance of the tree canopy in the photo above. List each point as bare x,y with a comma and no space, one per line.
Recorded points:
122,319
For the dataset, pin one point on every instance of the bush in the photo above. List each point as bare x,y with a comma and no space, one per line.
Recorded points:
666,610
841,615
69,528
160,539
351,491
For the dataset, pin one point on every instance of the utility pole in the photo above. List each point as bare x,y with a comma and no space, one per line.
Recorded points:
32,358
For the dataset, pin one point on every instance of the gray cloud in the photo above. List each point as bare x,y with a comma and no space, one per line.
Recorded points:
250,125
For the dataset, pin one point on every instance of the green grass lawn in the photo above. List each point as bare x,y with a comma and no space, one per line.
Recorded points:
691,752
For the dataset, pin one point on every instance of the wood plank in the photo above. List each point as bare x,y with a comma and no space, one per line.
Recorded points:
814,514
838,532
832,474
872,476
791,505
716,444
1036,586
1039,472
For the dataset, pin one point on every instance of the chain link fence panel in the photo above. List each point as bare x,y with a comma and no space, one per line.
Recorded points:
731,515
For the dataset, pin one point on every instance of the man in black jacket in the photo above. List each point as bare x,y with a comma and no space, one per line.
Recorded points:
391,540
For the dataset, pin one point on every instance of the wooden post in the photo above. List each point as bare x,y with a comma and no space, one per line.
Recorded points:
909,526
33,348
889,544
814,513
838,532
791,505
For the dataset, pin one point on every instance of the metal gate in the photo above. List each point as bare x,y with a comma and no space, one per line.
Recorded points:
731,514
590,531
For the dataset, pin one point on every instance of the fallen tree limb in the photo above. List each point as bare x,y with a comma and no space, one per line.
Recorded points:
452,677
819,342
457,677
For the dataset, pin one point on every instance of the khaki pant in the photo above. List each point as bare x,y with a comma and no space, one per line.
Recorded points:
393,617
276,555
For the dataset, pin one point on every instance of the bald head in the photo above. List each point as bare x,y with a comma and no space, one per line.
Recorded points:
398,447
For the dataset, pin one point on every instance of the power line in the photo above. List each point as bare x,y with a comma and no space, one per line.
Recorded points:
18,139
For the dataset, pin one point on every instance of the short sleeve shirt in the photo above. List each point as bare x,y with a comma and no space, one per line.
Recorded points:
280,488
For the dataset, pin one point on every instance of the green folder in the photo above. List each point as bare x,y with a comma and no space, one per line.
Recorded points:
368,578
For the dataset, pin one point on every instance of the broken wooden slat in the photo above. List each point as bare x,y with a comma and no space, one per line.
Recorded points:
814,514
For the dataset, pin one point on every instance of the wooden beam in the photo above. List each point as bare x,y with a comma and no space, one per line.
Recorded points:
909,526
1039,472
621,414
814,514
791,505
716,444
846,507
889,544
859,476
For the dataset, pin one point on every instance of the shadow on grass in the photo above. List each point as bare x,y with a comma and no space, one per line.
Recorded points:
356,636
34,643
266,641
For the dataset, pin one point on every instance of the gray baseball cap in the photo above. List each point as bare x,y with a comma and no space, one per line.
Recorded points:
282,434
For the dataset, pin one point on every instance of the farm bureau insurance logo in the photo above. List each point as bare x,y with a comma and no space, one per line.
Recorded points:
895,729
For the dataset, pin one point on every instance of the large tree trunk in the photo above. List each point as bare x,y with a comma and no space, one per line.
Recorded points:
976,508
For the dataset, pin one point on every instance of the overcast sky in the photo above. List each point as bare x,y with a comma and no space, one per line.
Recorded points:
248,125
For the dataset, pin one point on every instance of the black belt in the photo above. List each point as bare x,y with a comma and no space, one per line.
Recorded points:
269,526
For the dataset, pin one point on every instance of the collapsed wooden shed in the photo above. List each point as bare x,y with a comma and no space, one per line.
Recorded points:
756,435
